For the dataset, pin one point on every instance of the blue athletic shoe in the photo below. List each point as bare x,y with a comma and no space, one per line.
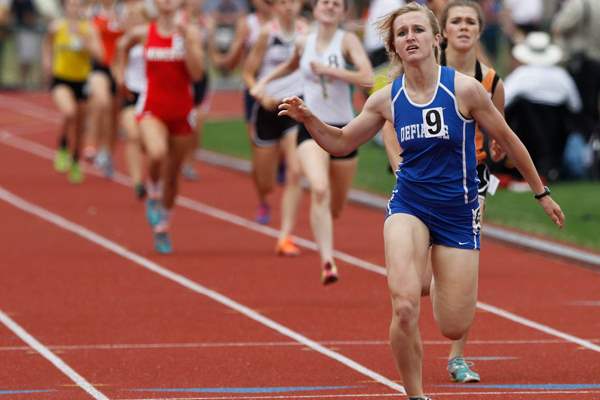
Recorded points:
162,243
153,211
263,214
461,372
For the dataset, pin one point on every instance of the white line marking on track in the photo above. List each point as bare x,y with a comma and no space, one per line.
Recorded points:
50,356
505,235
30,109
22,144
540,327
585,303
366,396
334,343
101,241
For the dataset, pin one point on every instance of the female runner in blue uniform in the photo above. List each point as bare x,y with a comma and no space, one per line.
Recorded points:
434,110
462,22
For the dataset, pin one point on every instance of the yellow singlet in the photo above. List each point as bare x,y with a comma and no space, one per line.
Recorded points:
71,61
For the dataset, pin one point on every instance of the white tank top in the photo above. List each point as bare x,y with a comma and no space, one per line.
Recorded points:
253,30
135,72
329,99
279,49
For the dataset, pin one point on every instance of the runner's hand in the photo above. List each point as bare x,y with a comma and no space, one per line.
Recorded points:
318,68
552,209
258,90
268,103
497,153
295,108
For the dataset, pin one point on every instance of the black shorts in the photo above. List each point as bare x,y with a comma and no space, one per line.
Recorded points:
249,102
269,128
378,57
483,172
200,90
130,99
98,67
77,87
304,135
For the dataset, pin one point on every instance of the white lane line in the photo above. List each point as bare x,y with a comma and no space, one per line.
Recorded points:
540,327
375,395
331,343
358,196
30,109
22,144
101,241
585,303
50,356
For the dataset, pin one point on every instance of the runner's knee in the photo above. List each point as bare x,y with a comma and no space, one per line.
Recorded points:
405,312
156,151
454,331
320,194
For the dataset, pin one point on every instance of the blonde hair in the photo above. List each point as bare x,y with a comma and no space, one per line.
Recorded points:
385,26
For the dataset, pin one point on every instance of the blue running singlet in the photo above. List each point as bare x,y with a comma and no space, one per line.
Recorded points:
437,180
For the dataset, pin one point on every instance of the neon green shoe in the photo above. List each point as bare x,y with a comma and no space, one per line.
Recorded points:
62,160
75,173
461,372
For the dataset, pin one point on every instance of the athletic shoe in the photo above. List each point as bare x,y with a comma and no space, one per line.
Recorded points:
153,211
263,214
162,242
419,398
189,173
62,160
287,248
75,173
103,162
329,274
460,372
140,191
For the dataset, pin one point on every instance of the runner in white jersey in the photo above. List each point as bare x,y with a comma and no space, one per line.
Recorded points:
322,58
271,134
133,85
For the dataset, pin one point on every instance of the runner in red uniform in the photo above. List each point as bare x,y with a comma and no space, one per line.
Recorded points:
174,58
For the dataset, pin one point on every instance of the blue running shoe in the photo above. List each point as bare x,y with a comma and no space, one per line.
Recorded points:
162,243
153,212
461,372
263,214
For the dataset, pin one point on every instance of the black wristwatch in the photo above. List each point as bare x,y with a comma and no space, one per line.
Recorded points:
545,193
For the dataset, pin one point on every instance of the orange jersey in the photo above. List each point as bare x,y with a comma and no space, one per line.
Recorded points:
109,32
489,83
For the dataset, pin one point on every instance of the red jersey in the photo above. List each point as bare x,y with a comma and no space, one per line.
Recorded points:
169,90
109,32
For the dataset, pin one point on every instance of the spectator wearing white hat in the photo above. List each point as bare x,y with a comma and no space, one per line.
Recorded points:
541,97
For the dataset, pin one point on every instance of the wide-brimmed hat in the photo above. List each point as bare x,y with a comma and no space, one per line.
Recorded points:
537,49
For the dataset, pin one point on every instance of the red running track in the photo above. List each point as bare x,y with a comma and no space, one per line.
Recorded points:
118,318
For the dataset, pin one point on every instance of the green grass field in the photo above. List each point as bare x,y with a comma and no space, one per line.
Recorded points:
580,201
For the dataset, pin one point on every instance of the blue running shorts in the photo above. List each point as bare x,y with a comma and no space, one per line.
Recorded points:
454,226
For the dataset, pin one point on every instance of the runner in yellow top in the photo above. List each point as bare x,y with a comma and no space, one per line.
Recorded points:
68,48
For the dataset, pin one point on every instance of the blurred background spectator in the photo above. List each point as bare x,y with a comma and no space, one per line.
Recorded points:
541,100
577,30
27,27
538,95
4,32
